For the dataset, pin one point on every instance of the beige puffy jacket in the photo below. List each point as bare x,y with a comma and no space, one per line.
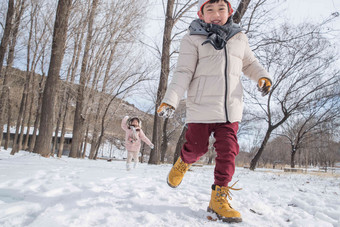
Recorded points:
201,70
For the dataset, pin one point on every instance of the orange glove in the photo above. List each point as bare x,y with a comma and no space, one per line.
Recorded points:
165,110
264,85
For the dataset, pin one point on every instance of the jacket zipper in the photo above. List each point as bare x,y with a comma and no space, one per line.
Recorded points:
226,82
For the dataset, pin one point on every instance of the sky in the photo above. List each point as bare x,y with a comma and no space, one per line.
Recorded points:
303,10
37,191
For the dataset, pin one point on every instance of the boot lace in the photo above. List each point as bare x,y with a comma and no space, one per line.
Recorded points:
224,194
182,167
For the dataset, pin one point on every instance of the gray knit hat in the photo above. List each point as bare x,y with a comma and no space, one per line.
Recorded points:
201,3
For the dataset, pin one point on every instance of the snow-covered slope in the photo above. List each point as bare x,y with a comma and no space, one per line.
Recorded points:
35,191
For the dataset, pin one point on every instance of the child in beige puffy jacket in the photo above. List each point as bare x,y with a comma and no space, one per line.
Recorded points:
133,137
213,56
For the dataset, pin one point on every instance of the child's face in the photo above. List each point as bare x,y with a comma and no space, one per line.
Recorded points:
215,13
135,123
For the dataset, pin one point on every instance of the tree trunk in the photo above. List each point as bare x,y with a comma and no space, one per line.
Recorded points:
22,124
241,9
8,137
56,131
8,40
210,160
24,100
86,140
72,72
38,114
93,144
97,125
25,145
31,103
35,131
211,155
164,145
43,144
95,136
254,161
142,153
7,32
79,118
163,81
63,130
100,138
292,158
180,143
3,98
15,147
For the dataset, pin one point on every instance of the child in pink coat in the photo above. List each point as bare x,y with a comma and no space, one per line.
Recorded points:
133,136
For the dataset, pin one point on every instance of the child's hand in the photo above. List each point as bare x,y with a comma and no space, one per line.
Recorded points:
165,110
152,146
264,85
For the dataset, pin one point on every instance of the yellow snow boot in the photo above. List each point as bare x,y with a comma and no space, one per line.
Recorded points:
177,173
221,207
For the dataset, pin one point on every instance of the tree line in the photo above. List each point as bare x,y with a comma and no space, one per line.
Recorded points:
88,43
97,46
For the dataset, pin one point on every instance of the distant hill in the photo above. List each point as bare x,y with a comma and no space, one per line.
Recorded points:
120,107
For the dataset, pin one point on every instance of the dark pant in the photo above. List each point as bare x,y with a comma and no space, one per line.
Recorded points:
226,147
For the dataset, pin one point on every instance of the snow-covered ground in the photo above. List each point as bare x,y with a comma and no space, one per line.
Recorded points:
35,191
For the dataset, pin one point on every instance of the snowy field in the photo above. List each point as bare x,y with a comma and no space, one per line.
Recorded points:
35,191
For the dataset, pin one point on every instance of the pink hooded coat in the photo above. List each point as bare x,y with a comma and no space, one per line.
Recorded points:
131,143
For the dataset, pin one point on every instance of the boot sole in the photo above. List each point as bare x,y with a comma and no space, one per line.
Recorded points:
224,219
167,181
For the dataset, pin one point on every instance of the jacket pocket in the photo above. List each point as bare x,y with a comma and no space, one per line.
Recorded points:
213,86
196,89
205,86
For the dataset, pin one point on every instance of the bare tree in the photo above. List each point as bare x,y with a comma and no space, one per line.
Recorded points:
43,144
118,34
301,60
78,30
42,37
8,137
3,49
7,32
109,59
125,85
165,68
30,68
321,150
241,10
308,123
171,18
79,116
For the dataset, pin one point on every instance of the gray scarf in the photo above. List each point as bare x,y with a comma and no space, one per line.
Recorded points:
217,35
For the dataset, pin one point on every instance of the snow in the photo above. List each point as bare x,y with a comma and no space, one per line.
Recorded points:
31,130
35,191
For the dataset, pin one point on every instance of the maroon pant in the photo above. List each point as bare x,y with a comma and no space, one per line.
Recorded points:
226,147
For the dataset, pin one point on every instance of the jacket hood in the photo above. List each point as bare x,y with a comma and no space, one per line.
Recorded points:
129,121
